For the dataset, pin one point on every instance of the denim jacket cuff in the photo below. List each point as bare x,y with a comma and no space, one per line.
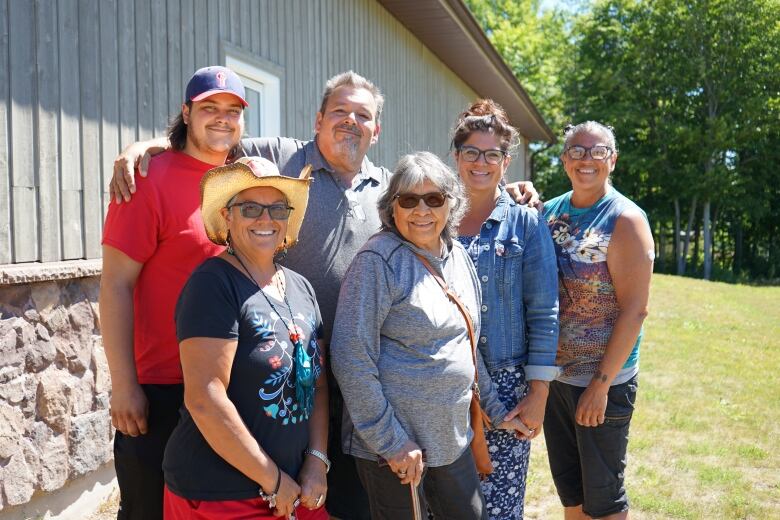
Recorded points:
540,372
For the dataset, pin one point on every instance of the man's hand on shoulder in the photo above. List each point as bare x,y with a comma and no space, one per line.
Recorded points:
523,192
122,185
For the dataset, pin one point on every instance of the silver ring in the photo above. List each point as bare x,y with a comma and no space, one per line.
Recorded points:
402,473
296,503
319,500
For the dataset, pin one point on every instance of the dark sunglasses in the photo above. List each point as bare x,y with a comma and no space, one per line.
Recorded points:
411,200
255,210
472,153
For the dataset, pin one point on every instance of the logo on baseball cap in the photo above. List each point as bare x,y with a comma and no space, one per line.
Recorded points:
215,80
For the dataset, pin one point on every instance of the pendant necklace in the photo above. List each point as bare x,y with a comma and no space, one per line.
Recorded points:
302,361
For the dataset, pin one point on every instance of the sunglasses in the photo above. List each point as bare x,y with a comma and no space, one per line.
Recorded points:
255,210
411,200
472,153
597,153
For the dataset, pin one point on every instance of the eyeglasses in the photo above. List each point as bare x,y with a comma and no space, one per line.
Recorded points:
411,200
255,210
597,153
472,153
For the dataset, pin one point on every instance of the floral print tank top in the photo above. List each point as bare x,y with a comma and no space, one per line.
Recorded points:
588,306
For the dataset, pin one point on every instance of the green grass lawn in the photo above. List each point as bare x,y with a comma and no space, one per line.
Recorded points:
705,437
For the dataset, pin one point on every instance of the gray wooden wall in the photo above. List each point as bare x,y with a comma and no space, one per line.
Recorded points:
81,79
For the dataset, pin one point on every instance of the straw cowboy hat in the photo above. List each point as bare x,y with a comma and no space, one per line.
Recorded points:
222,183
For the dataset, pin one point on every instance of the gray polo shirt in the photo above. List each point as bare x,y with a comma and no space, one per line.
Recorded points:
339,219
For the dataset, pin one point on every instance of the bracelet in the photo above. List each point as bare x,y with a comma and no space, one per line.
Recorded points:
271,497
319,455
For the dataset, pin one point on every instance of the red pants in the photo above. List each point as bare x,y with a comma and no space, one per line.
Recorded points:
178,508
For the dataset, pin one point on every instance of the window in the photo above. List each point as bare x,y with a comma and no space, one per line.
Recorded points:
263,117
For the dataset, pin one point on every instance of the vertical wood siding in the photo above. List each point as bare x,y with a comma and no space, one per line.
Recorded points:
81,79
5,192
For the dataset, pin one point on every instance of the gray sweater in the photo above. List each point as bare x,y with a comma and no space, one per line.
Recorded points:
401,353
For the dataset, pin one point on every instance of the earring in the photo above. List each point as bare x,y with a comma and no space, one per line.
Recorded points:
230,249
282,253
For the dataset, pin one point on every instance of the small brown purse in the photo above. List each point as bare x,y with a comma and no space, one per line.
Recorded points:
479,419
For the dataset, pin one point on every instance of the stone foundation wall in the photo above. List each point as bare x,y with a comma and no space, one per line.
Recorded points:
54,386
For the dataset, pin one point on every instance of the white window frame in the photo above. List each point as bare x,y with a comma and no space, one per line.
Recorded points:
262,76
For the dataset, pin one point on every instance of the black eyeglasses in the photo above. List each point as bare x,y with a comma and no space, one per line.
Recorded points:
255,210
411,200
472,153
597,153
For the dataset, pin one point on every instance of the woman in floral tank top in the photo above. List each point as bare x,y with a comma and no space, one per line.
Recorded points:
605,257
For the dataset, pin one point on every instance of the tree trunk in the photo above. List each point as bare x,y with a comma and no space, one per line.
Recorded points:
736,267
678,255
696,236
687,243
707,242
661,257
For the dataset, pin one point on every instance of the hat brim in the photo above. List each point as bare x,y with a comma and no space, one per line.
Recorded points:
222,183
212,92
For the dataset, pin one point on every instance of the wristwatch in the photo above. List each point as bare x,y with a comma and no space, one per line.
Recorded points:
319,455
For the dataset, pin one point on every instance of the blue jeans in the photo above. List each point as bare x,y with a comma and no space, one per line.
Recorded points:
588,463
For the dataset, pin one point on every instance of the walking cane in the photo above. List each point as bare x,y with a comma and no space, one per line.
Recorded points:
415,502
415,497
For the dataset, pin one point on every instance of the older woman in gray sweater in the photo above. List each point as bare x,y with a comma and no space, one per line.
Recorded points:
401,353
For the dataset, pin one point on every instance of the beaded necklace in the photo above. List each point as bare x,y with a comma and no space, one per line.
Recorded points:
302,361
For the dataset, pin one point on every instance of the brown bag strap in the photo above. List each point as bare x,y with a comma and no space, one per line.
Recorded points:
469,325
463,310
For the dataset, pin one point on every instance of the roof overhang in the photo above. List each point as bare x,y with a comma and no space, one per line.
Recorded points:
450,31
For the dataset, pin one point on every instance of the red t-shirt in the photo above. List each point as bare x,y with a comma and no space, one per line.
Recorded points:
161,227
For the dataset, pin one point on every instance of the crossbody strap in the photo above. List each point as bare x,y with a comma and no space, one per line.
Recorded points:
463,310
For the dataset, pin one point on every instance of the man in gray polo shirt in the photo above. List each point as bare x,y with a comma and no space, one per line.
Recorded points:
341,215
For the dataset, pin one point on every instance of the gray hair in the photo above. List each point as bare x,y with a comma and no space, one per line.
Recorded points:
354,80
591,127
413,170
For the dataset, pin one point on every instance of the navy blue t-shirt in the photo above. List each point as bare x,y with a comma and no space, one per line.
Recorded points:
219,301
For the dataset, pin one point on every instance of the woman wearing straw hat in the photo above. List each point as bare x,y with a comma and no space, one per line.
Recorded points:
252,437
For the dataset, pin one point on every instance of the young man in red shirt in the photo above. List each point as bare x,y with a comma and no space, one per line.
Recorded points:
151,245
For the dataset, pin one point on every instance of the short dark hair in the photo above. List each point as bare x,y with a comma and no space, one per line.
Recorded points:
354,80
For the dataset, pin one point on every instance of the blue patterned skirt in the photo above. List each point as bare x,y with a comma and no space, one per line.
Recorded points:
504,489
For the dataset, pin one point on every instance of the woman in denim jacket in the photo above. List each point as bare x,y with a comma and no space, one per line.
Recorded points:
516,267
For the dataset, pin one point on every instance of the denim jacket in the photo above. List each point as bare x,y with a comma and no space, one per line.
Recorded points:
517,272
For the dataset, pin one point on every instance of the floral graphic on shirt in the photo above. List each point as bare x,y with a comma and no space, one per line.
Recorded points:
264,333
587,303
277,392
591,248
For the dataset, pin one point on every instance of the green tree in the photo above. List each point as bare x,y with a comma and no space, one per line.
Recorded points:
687,85
692,88
536,46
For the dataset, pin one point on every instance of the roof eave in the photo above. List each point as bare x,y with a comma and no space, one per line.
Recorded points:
450,31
